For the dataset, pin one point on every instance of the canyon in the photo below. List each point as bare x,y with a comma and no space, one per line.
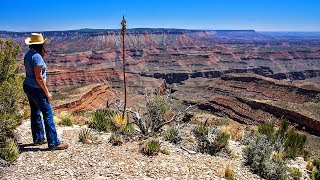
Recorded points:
247,76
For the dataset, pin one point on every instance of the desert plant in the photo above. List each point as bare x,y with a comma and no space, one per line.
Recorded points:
258,156
315,175
316,169
128,129
9,151
267,129
157,107
172,134
228,173
200,131
101,120
116,139
283,128
309,165
65,121
222,140
213,142
235,130
86,136
119,121
151,147
294,143
295,173
280,135
10,88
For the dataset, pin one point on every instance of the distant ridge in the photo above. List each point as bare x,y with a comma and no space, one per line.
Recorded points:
133,29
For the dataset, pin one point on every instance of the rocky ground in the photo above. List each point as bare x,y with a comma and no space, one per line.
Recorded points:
104,161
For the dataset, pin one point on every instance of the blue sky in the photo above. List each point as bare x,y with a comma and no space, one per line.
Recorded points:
260,15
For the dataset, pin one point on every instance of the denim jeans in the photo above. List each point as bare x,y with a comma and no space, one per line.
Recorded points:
39,103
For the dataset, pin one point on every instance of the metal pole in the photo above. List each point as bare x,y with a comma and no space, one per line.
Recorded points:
123,30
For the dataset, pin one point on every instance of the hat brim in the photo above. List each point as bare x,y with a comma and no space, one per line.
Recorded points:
29,42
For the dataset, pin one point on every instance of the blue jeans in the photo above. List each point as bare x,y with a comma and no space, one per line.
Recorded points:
39,103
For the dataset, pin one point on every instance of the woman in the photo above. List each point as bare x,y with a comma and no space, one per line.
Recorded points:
38,94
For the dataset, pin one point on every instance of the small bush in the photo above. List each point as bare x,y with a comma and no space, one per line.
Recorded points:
9,150
157,108
316,163
222,140
258,156
151,147
213,142
86,136
228,173
66,121
294,143
116,139
266,129
315,175
128,130
200,131
101,120
316,170
295,173
172,134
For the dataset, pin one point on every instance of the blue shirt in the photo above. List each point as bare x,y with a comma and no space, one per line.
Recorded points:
32,59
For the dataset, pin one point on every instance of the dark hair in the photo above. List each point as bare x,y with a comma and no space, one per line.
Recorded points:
40,48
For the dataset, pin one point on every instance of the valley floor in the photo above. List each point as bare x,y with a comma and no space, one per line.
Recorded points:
104,161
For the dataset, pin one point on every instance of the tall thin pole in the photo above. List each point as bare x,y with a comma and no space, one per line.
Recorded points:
123,30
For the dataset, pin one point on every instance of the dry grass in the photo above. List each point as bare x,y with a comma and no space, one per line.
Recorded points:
235,130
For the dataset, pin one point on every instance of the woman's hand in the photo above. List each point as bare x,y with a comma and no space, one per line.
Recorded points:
41,81
49,96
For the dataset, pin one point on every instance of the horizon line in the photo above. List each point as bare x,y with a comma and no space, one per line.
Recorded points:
163,28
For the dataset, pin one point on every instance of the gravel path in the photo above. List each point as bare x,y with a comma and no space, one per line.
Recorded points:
104,161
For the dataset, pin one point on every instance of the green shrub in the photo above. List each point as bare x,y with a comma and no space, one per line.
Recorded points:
228,173
10,88
294,143
316,170
295,173
258,156
151,147
172,134
86,136
128,130
315,175
267,129
157,107
200,131
316,163
9,150
102,120
283,128
222,140
66,121
116,139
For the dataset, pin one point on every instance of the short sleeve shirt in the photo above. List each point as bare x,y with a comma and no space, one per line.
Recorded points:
32,59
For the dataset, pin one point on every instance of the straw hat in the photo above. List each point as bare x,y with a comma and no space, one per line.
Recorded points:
36,38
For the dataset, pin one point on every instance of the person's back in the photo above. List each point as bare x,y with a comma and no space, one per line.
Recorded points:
32,59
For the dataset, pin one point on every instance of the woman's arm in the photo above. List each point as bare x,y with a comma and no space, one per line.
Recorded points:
41,82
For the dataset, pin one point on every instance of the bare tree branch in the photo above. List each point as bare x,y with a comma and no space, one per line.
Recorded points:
174,118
